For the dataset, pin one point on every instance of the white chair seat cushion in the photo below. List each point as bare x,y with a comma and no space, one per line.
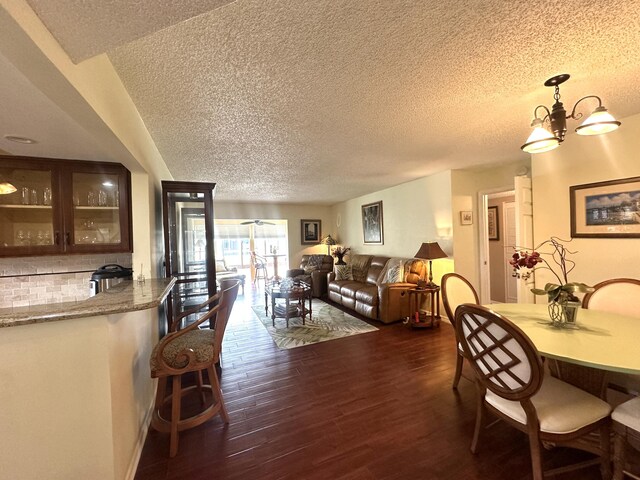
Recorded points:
628,414
561,408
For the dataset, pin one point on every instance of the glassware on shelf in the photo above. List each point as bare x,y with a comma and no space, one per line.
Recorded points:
34,197
46,197
25,195
40,238
76,199
47,238
116,198
21,237
102,198
92,200
29,238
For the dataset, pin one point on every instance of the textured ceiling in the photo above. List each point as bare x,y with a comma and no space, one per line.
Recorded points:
321,101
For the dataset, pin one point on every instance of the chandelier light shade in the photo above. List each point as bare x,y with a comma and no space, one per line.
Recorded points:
328,241
544,138
430,251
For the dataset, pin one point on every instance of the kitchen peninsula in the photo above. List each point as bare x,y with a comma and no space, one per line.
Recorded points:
76,389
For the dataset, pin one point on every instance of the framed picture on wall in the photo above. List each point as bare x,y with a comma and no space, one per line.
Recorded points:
466,217
310,231
372,223
608,209
492,223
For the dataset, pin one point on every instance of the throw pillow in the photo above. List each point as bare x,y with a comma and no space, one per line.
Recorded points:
343,272
314,263
395,271
360,266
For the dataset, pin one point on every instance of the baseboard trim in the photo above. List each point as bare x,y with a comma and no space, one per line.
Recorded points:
142,437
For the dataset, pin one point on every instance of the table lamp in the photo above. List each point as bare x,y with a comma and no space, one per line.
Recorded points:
328,241
430,251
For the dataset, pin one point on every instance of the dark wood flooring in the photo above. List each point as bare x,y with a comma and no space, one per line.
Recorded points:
372,406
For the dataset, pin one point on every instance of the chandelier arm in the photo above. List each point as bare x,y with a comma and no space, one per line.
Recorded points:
546,117
579,115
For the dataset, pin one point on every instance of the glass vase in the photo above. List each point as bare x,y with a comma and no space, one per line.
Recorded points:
564,313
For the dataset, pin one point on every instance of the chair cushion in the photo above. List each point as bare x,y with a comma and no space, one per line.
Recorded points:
200,341
561,408
628,414
368,295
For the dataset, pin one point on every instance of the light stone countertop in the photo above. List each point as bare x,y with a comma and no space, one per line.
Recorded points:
124,297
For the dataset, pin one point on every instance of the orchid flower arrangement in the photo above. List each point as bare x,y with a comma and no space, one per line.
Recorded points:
524,262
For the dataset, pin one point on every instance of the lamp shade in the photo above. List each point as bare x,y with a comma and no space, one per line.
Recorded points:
540,140
328,240
430,251
600,121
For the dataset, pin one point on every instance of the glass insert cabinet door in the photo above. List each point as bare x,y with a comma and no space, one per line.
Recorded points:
29,216
189,246
64,206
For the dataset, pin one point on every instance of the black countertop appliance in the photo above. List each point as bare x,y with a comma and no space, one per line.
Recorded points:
108,276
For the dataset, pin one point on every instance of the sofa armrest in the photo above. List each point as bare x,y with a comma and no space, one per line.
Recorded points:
331,276
319,282
394,301
294,272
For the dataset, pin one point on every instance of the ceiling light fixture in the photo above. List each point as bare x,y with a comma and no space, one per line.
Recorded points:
19,139
542,139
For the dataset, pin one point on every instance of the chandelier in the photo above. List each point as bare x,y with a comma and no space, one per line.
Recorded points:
543,139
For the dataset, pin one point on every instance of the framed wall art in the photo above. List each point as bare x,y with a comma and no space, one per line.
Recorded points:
608,209
466,217
493,226
372,223
310,231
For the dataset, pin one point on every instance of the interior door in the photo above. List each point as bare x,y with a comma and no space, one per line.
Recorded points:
524,231
511,283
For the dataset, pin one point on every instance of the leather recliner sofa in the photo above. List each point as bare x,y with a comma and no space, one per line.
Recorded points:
313,270
369,294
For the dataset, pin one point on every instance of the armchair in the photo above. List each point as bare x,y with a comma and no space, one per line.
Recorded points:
313,270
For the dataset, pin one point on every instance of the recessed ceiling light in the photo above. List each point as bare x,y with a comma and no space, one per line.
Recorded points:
18,139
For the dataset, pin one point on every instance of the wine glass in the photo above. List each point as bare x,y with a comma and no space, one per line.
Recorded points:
20,237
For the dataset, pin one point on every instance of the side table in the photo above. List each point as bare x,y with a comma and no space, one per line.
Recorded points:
424,319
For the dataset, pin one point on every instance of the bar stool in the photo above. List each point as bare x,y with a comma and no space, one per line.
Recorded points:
191,349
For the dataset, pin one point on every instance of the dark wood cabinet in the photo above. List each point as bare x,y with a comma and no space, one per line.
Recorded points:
64,207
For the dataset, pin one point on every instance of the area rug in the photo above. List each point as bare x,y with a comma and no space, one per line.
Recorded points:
328,323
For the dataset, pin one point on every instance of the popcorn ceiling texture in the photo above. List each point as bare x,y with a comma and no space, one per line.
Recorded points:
319,102
27,288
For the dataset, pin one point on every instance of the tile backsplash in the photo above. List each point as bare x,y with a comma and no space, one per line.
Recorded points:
36,280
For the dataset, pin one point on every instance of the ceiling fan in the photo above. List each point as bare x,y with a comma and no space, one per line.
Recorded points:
257,222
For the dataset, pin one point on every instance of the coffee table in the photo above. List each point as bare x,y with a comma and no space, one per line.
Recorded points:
294,294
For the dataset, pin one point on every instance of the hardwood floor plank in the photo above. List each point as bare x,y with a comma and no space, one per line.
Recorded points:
372,406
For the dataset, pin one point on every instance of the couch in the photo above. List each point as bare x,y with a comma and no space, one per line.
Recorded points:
225,273
377,287
313,270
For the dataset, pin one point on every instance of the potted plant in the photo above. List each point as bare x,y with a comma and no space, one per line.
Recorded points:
339,253
563,304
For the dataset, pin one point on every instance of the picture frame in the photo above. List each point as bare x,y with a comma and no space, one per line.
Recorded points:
493,223
310,231
466,217
609,209
372,228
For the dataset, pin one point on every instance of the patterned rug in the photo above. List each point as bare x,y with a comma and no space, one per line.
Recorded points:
328,323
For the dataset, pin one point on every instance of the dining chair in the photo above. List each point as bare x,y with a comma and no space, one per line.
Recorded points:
512,385
626,428
191,350
457,290
259,264
620,296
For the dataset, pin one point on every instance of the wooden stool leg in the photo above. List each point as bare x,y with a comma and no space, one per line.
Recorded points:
160,394
175,414
200,389
217,392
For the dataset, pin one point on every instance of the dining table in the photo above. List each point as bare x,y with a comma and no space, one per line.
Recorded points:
602,340
274,258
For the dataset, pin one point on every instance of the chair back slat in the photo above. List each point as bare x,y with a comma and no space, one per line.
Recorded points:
503,357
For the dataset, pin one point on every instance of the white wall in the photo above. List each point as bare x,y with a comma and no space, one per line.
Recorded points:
577,161
290,212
